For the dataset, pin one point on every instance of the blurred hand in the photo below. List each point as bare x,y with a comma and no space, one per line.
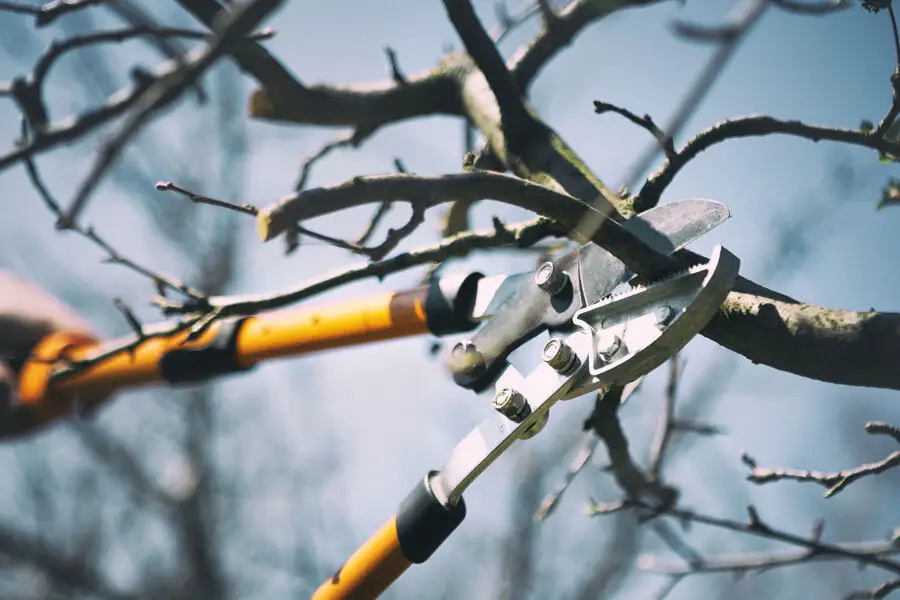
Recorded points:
27,314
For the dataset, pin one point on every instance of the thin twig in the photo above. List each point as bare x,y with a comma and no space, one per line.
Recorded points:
47,13
761,561
666,424
113,256
879,591
834,482
238,23
168,186
751,126
756,526
810,8
692,100
524,234
352,139
396,73
646,122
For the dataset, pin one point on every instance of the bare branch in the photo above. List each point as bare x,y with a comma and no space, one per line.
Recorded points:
666,421
352,139
130,317
604,421
646,122
834,482
729,39
880,591
524,234
162,282
165,91
812,8
559,32
877,428
511,22
168,186
516,122
762,561
396,73
44,14
752,126
813,545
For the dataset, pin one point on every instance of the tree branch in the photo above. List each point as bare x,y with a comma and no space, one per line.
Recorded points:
515,120
813,545
834,482
645,122
763,561
849,347
752,126
46,13
522,235
561,31
230,29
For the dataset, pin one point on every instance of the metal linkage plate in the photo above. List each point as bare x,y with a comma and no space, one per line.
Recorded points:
635,332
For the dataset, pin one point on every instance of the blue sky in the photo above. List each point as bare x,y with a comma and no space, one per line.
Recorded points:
374,427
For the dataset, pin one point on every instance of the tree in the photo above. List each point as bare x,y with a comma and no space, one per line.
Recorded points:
510,147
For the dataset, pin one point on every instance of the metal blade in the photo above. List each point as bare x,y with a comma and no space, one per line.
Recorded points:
665,228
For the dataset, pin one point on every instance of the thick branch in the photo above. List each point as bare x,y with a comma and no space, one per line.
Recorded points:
836,346
426,192
514,117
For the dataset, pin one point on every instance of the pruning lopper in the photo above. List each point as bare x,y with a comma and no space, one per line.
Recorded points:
607,329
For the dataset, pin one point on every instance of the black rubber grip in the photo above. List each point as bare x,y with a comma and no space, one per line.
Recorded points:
423,523
444,317
219,357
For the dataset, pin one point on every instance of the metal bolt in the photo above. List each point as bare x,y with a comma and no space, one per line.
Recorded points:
663,316
536,427
607,351
511,404
550,278
466,359
559,356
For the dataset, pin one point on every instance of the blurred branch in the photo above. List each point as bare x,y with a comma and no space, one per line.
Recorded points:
667,420
163,92
28,91
352,139
880,591
515,119
162,282
122,461
763,561
560,32
46,13
509,22
812,8
75,572
814,548
584,453
728,39
834,482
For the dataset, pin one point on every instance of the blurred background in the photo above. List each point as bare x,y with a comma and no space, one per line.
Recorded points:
261,485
